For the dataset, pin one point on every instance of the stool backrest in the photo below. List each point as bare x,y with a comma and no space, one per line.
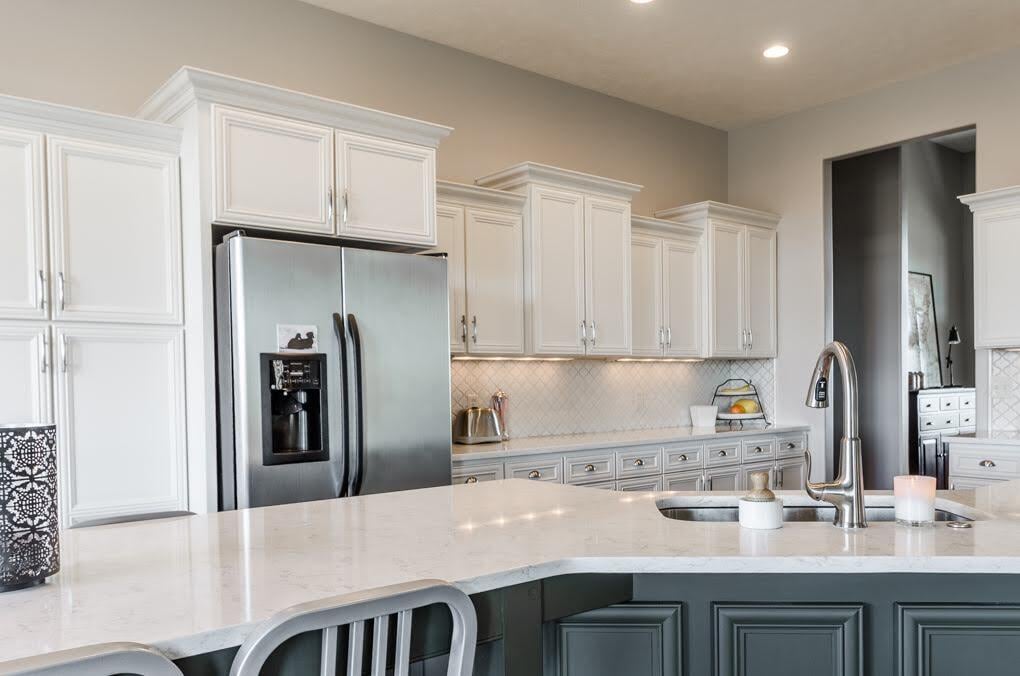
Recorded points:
103,659
355,611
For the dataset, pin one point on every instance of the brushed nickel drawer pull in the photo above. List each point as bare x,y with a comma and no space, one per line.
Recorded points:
987,463
589,468
534,474
471,480
683,457
639,463
790,444
722,454
758,449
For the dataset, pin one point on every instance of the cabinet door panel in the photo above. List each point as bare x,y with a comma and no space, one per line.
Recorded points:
682,275
495,282
607,275
761,292
727,292
556,272
272,172
122,447
646,295
450,240
789,474
996,239
634,639
724,478
22,226
958,639
115,220
387,190
26,364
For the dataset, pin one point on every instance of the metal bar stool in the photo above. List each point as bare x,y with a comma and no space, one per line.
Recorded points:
354,611
103,659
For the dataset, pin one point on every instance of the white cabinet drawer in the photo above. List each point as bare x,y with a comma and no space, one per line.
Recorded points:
928,404
939,421
652,483
967,402
683,457
967,419
684,481
949,402
722,454
974,461
638,462
962,483
472,474
548,469
588,468
791,445
758,449
601,485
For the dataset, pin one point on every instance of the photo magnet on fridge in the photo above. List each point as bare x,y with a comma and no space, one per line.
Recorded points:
297,337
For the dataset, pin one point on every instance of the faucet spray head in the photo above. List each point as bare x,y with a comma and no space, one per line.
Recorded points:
818,392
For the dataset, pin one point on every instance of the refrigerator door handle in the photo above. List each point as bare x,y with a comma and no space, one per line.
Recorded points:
359,412
341,337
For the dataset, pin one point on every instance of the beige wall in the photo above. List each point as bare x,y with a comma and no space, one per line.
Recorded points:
111,54
779,166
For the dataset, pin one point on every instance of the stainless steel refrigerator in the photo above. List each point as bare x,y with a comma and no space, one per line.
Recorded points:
334,371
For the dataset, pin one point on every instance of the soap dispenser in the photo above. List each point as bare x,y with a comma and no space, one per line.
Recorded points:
760,509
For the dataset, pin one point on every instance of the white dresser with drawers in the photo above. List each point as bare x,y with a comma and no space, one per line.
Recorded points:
934,415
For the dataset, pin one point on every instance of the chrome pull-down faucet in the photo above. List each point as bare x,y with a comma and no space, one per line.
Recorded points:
846,491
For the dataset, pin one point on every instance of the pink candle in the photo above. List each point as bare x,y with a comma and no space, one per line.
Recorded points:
915,499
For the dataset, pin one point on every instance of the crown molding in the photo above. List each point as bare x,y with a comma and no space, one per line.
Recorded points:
665,227
533,172
993,199
53,118
189,85
476,196
707,210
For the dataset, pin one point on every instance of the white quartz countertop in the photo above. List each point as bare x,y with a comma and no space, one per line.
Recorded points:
194,584
565,443
995,437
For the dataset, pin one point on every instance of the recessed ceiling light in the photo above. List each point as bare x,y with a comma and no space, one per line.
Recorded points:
776,52
640,2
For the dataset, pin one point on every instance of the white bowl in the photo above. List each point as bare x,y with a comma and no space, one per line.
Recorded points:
704,416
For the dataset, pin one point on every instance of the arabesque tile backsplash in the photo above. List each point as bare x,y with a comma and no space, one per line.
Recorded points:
570,397
1005,386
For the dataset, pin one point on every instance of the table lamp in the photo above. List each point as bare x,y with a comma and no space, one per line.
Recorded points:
954,339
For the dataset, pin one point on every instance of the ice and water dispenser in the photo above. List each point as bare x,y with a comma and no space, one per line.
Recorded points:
294,409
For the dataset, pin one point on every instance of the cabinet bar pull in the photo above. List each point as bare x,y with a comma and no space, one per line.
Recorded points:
593,333
344,212
42,289
662,340
669,337
329,205
750,339
463,329
60,289
584,333
63,353
474,329
987,463
780,478
45,354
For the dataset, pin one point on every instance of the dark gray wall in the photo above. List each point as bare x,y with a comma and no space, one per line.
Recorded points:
867,262
939,241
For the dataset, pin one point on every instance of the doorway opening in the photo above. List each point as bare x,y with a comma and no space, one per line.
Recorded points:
901,298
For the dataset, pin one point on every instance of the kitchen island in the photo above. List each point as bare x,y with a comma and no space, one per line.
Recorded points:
197,585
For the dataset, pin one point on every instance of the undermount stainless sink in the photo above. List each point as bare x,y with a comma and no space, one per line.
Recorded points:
791,513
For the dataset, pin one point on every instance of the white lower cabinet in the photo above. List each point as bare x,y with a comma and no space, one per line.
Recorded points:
789,474
746,470
723,478
26,364
473,474
652,483
684,481
120,421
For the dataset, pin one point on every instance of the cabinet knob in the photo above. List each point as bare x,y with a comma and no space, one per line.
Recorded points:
987,463
639,463
534,474
471,480
589,468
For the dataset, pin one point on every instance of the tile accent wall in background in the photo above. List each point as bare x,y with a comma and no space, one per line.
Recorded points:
570,397
1005,386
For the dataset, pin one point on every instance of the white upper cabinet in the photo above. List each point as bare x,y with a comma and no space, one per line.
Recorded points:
450,241
647,327
26,364
996,243
137,464
667,288
23,276
576,259
385,190
272,172
480,230
116,235
607,275
741,277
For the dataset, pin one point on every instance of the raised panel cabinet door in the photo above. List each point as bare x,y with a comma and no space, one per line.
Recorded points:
450,240
116,233
607,275
272,172
386,190
635,639
683,297
726,295
646,296
495,282
996,241
556,272
947,640
761,292
23,269
120,421
746,470
789,475
26,364
727,478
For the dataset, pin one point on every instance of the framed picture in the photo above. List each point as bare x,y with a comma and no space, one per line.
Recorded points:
923,340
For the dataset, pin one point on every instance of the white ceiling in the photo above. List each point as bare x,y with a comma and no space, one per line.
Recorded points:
701,59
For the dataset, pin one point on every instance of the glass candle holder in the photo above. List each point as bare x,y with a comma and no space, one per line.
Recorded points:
915,500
